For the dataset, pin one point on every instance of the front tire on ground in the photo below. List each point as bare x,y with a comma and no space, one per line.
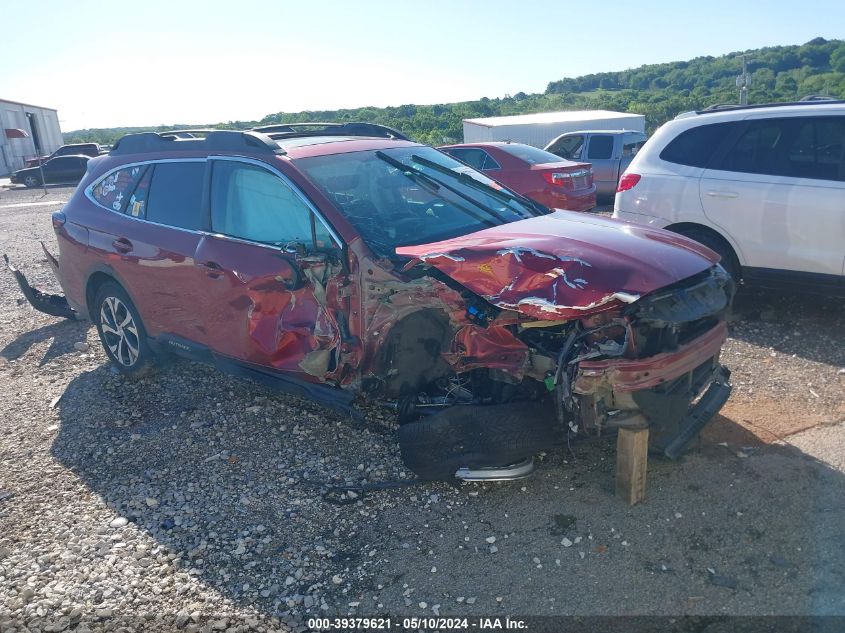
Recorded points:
31,181
121,331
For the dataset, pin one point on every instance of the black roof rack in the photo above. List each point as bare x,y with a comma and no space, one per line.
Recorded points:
805,101
214,140
352,128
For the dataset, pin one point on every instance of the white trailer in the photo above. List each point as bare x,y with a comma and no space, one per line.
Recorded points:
539,129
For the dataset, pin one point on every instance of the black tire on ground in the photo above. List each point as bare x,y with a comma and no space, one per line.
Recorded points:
715,243
121,331
32,181
477,437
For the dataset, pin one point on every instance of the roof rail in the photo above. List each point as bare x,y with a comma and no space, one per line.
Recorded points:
352,128
189,133
215,140
805,101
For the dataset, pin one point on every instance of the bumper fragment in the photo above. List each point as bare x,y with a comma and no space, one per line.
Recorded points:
701,413
646,373
54,305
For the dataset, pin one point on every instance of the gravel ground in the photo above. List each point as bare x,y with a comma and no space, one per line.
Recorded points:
192,500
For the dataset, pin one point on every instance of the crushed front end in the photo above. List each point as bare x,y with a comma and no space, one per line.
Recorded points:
549,343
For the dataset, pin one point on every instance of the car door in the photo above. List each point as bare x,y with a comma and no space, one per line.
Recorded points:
602,155
57,170
272,275
78,169
779,193
149,240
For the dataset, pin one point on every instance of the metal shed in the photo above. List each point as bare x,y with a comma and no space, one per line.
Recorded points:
540,128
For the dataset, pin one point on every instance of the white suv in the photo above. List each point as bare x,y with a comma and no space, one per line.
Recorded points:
763,186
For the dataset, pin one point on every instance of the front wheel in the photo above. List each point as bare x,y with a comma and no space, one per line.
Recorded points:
715,243
31,181
121,331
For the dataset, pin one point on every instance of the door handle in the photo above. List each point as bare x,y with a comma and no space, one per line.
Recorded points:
122,245
212,269
723,194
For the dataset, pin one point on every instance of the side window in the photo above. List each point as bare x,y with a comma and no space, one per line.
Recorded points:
817,150
254,204
600,147
469,155
631,149
696,146
829,148
568,147
489,162
113,191
757,150
175,195
137,205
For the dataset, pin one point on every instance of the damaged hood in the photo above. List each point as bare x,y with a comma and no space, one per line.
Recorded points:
565,264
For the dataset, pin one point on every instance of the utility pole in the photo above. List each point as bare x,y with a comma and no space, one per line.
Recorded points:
743,81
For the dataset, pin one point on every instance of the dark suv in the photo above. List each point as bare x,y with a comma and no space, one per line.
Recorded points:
345,261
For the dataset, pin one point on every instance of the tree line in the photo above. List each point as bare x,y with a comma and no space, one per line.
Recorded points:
659,91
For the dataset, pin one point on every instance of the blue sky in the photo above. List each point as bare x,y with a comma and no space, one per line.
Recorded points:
154,62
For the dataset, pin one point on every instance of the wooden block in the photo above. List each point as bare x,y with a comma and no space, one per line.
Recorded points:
631,463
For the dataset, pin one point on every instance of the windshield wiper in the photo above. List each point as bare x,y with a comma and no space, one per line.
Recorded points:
465,177
415,173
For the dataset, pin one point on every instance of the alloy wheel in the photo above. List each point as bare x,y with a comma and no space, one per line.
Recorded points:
120,332
30,181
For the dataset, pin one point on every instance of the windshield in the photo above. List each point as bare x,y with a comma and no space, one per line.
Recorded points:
530,155
404,196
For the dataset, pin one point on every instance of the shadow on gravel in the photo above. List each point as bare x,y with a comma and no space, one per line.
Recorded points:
212,468
217,470
62,335
809,326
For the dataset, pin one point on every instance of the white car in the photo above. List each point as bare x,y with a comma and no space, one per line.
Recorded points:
763,186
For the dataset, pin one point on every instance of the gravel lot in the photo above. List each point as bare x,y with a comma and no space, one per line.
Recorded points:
188,499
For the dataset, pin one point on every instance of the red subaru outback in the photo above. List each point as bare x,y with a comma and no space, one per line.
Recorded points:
345,261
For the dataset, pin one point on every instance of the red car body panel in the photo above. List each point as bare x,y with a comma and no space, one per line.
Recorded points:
527,179
562,265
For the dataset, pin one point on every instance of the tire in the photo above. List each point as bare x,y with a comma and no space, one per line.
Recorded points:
121,331
477,437
31,181
717,244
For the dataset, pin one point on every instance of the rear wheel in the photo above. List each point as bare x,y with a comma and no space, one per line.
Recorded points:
121,331
716,243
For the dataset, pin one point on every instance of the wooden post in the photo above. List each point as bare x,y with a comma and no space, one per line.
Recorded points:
631,463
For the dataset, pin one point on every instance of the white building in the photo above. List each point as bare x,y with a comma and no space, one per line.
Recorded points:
538,129
26,131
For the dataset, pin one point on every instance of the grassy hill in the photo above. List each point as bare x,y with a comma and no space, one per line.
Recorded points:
659,91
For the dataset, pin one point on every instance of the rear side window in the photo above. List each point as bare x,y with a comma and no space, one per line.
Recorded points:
631,148
114,190
600,147
696,146
474,157
251,203
175,195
